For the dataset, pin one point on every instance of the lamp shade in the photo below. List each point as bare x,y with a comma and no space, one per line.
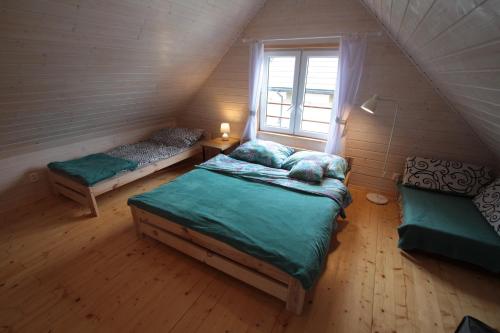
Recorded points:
224,128
370,105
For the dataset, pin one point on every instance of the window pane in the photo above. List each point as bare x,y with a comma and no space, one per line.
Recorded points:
280,91
310,126
320,85
316,114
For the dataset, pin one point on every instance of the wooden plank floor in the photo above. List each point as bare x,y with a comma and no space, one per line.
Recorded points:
64,272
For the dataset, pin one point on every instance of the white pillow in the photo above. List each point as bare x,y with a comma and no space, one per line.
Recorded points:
488,203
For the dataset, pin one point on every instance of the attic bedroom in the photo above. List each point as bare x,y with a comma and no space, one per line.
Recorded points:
250,166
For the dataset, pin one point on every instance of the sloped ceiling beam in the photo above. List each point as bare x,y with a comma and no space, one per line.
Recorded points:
457,46
73,70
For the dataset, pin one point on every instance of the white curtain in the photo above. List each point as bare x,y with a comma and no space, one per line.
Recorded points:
254,88
351,60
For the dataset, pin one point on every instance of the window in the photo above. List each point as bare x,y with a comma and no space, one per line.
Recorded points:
298,92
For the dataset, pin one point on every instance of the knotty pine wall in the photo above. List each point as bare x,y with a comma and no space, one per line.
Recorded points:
426,126
76,70
18,191
457,44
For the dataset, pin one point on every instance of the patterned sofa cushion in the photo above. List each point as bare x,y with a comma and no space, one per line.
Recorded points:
446,176
488,203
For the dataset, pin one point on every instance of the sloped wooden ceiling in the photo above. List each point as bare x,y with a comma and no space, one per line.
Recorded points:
426,125
456,43
87,67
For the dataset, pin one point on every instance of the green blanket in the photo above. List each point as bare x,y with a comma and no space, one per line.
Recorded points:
447,225
288,229
328,187
93,168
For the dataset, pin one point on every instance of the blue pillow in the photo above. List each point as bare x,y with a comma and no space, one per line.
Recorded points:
336,166
267,153
308,170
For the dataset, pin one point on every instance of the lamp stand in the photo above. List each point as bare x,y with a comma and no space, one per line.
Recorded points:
378,198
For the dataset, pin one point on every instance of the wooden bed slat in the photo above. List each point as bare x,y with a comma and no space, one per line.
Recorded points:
219,262
223,257
210,244
73,195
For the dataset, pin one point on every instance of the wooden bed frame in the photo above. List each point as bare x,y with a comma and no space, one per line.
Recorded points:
86,195
223,257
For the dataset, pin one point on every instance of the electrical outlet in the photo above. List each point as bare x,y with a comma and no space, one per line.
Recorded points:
33,177
396,176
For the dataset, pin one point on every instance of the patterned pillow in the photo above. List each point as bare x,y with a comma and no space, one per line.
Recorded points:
308,170
446,176
177,137
488,203
262,152
336,166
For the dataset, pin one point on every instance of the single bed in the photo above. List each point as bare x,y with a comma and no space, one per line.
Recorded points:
83,179
249,221
447,225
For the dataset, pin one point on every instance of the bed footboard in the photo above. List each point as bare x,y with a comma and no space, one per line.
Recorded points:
73,190
223,257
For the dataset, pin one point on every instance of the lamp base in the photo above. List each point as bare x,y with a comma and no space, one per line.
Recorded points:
377,199
225,136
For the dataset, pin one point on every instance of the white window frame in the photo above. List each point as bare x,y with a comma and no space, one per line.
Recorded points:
263,95
298,91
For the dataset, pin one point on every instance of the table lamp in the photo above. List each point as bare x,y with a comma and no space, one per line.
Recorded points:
225,130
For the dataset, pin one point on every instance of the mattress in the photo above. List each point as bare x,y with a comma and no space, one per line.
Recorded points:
447,225
145,152
91,169
285,228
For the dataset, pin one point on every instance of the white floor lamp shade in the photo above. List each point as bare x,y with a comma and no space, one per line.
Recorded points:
370,106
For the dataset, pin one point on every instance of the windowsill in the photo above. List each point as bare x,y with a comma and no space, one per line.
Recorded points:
298,137
293,140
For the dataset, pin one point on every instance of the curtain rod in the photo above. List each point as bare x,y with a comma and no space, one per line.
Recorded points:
367,34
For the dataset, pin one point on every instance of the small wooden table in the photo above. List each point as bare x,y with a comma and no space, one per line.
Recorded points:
217,146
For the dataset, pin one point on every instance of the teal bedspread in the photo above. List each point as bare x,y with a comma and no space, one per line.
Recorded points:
286,228
447,225
332,188
93,168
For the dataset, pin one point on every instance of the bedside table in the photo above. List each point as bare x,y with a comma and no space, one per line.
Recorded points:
217,146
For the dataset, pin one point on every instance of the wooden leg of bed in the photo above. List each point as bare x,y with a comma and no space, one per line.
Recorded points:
53,186
296,297
137,226
92,203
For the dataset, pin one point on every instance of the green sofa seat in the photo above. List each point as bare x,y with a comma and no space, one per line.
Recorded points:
449,226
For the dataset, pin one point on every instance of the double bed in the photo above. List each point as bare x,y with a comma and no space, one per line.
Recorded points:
250,221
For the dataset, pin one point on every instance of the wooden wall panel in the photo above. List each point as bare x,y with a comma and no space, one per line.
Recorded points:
426,124
79,76
457,45
86,66
16,189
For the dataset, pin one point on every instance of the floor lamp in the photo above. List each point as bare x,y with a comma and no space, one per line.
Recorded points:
370,106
